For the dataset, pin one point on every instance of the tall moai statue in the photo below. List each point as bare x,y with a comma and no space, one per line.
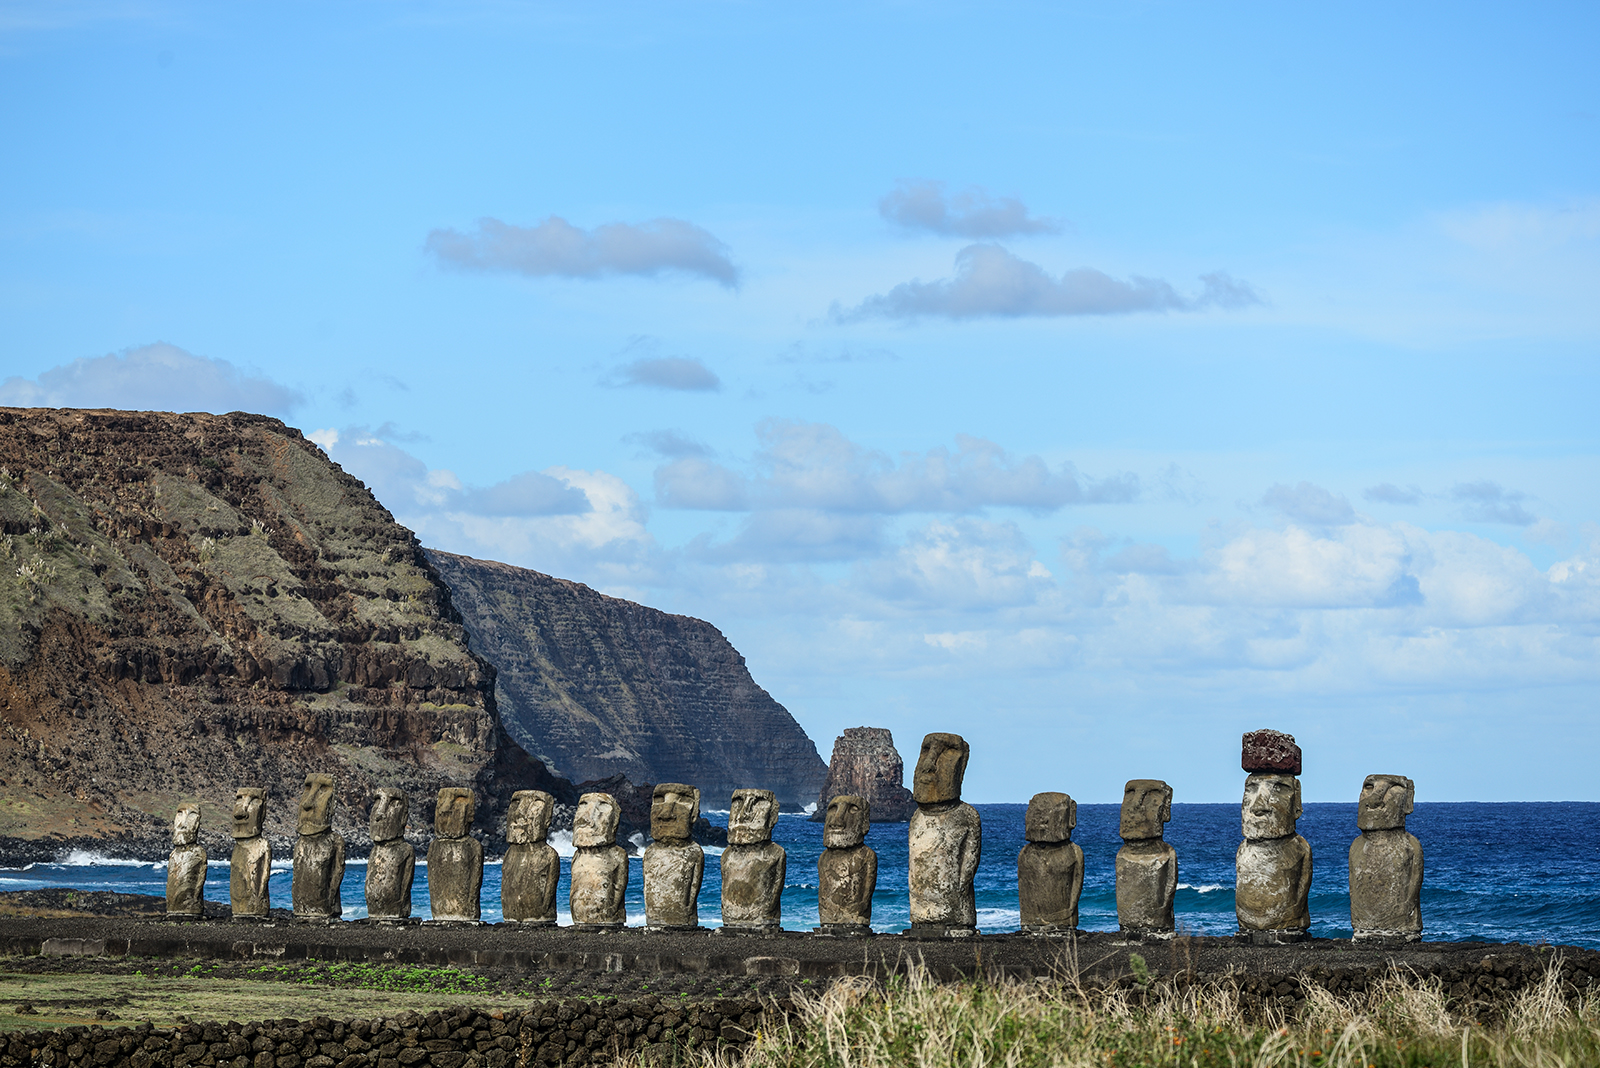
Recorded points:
946,838
847,871
393,862
318,855
186,866
1147,867
674,863
1050,866
1272,871
599,888
753,865
252,857
532,868
1386,863
455,859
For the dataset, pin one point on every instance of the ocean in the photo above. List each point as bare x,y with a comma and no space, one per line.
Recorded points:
1513,872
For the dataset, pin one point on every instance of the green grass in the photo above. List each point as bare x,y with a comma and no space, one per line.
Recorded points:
369,976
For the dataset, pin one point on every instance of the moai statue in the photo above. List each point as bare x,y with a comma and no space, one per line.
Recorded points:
1272,880
392,862
252,857
674,863
946,838
455,859
531,870
847,871
318,855
1050,866
753,865
1386,863
600,866
1147,867
186,866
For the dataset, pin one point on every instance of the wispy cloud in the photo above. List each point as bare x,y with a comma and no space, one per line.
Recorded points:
1309,503
669,443
667,372
152,377
971,213
1487,502
556,247
992,281
1389,493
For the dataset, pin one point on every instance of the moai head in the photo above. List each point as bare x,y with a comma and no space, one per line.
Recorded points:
453,812
1386,801
316,804
848,818
1271,805
390,810
596,821
940,767
528,818
1051,818
1146,805
248,805
751,817
186,824
673,809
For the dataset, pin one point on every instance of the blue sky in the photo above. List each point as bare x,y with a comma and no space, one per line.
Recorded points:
1097,381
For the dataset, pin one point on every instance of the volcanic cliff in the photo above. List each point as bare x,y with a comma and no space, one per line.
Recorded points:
598,686
194,602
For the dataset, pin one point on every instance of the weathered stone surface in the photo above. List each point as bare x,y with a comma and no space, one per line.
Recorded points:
1050,866
847,870
455,861
531,869
866,764
1272,881
753,865
674,865
598,686
1267,750
252,856
600,866
945,837
318,854
186,866
392,863
1146,866
1385,862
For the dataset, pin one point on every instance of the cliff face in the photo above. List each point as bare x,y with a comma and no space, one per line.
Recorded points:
598,686
194,602
865,762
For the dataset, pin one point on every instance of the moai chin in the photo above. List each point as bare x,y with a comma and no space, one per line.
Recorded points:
1272,880
186,865
318,855
1050,866
946,838
599,884
674,863
252,857
753,865
1147,867
455,859
847,870
1385,863
532,868
393,862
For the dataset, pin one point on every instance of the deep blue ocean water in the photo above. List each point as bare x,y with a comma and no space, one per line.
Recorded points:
1512,872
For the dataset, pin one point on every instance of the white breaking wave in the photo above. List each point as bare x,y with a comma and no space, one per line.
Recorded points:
1205,889
561,842
1006,918
713,851
83,858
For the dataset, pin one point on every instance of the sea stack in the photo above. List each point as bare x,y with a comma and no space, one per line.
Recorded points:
186,866
1272,882
1386,863
946,838
866,764
1147,867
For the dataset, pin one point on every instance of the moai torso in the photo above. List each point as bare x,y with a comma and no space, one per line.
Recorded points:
598,891
1385,863
753,865
1050,866
455,859
674,864
1272,870
318,854
945,838
252,856
186,865
391,865
531,869
847,871
1146,866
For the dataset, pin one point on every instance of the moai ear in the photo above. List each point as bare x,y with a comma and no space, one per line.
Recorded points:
1411,796
1295,812
1166,806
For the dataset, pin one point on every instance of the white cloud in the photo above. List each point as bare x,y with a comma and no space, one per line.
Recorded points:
1309,503
1484,501
972,213
1389,493
158,377
556,247
959,564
